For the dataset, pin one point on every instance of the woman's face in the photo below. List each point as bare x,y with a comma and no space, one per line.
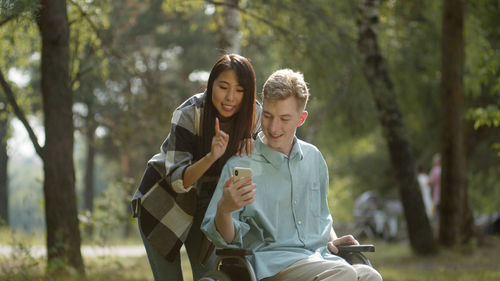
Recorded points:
227,93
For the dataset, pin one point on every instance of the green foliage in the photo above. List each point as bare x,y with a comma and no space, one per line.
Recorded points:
486,190
19,38
108,219
12,9
26,195
410,41
488,116
341,200
483,65
182,8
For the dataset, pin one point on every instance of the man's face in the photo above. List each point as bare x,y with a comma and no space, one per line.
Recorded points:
280,120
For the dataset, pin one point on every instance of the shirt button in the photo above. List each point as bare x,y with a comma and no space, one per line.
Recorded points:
294,201
300,222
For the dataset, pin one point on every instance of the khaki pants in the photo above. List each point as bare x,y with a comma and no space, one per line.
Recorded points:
315,268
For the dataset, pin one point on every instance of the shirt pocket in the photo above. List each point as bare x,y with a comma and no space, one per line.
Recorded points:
314,198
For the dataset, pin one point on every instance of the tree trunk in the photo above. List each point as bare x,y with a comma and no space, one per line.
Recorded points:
377,75
229,32
452,139
63,235
4,184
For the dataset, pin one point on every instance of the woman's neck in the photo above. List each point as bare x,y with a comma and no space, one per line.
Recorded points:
225,119
226,123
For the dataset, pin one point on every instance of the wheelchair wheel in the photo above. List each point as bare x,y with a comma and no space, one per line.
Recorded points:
356,258
215,276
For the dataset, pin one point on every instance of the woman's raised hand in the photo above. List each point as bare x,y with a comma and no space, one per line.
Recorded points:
219,141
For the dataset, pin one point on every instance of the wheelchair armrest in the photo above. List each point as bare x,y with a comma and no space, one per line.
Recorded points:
356,248
354,253
241,252
233,262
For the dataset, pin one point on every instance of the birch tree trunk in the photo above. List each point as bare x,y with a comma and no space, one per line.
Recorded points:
394,130
229,39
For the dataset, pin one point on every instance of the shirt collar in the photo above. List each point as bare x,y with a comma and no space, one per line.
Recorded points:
274,157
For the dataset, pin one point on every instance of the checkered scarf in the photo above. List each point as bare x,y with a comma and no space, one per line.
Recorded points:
166,210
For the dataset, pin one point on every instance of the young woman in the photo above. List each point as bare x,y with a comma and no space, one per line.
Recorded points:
176,188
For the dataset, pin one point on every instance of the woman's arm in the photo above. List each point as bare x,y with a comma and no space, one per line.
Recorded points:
196,170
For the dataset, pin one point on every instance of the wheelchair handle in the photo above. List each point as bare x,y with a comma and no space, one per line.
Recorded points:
241,252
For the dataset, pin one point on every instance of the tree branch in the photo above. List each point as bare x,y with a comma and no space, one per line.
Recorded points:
105,43
97,31
6,20
20,115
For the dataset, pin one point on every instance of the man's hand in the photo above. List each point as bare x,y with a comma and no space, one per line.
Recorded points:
236,195
219,142
344,240
246,145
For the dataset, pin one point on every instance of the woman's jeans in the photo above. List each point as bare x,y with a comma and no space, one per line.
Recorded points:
164,270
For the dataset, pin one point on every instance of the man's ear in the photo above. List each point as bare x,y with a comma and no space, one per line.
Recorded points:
302,118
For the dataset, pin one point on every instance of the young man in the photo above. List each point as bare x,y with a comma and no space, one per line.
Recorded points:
283,214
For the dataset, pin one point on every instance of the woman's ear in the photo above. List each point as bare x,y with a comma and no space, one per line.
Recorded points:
302,118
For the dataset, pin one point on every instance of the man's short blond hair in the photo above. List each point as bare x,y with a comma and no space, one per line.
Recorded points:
286,83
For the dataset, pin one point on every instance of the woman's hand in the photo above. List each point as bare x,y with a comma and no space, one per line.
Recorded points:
219,142
246,145
344,240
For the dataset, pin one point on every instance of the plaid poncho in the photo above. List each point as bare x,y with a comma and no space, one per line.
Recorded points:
167,208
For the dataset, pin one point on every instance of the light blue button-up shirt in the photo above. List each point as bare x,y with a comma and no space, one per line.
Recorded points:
289,219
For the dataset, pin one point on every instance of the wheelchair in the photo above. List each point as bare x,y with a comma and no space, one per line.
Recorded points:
232,265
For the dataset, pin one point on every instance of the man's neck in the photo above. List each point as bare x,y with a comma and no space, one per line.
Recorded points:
285,150
290,147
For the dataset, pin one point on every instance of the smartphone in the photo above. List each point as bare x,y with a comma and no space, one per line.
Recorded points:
240,173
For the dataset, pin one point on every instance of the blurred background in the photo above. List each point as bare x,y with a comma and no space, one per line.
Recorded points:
131,63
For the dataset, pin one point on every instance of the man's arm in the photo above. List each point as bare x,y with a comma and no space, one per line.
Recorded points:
224,224
333,235
234,196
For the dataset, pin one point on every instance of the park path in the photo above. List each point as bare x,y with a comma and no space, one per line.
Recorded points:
87,251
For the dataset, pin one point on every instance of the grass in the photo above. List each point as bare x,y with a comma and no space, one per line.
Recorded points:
8,236
23,268
394,261
37,237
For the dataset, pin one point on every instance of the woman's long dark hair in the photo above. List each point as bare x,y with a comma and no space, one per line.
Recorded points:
242,121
